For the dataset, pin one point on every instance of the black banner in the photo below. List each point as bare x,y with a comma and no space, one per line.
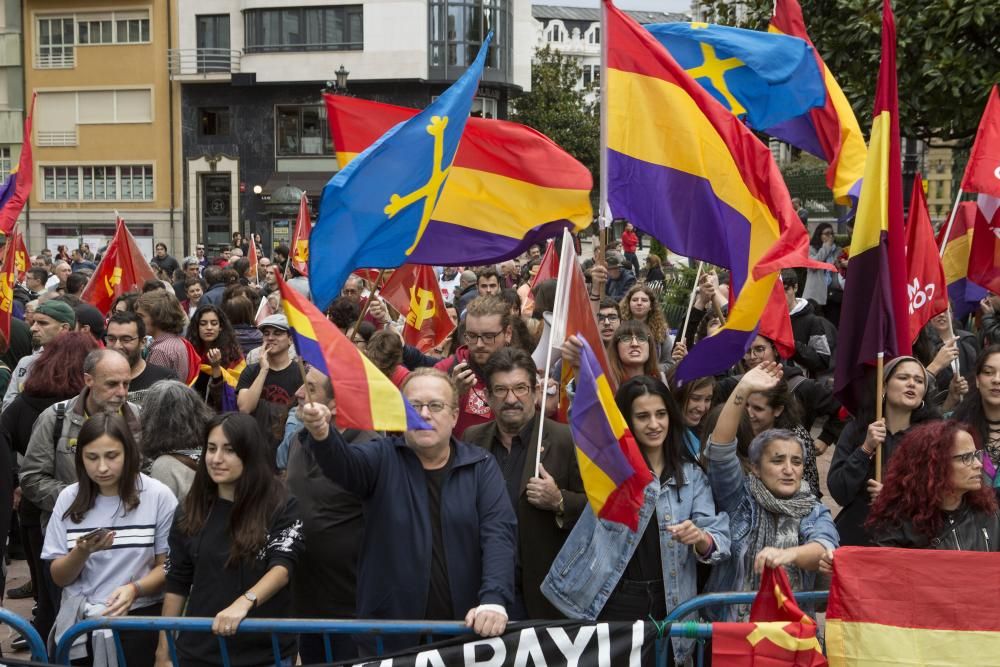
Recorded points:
546,645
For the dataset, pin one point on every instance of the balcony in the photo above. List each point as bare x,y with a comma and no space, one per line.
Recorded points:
203,64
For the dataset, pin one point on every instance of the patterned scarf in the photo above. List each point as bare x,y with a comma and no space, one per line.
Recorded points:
777,526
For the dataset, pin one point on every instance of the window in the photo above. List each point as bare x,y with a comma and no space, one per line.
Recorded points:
98,183
483,107
63,111
5,164
457,30
594,35
57,35
302,131
304,29
55,42
212,39
591,75
214,121
555,33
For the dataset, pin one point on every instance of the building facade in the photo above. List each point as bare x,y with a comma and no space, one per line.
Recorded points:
106,123
11,86
251,75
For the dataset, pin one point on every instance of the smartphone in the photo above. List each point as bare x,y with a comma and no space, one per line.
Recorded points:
99,533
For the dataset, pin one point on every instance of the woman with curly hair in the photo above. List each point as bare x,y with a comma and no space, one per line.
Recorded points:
941,503
640,304
213,337
173,424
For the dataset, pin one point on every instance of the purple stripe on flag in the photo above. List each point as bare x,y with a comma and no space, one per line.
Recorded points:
445,243
703,359
681,210
801,133
964,295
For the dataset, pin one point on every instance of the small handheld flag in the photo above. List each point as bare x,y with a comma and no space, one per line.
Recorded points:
122,269
300,239
413,290
366,399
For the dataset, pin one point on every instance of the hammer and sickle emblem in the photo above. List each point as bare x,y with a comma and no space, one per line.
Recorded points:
776,633
19,261
302,250
428,191
116,277
422,307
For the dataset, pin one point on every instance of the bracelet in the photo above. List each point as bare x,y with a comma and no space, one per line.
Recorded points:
138,591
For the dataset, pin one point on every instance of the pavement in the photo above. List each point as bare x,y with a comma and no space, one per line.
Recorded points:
17,574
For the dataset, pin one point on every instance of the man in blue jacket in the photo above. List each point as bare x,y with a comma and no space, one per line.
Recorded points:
440,532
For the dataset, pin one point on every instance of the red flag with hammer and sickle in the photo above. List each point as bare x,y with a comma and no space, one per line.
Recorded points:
413,290
779,633
122,269
14,259
300,238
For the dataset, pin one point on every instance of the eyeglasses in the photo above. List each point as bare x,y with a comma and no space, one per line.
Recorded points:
757,351
968,457
487,338
612,317
124,340
433,407
628,338
520,390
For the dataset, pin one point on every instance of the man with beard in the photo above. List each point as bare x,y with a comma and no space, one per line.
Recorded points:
127,334
52,319
547,505
487,329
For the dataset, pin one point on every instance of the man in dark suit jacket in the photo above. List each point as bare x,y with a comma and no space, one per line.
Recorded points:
547,505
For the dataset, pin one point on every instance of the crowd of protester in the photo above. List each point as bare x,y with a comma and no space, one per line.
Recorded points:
174,458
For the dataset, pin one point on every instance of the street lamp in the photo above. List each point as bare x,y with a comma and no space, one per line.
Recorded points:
342,75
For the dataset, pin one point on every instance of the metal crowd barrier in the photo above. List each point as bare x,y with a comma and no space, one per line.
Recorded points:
678,628
35,643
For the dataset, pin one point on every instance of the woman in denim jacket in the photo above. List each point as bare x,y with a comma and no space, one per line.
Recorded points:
604,570
774,521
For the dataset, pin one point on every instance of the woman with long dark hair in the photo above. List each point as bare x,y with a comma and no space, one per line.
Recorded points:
852,473
632,352
222,360
941,503
233,547
822,248
107,538
695,401
980,409
642,305
57,375
612,573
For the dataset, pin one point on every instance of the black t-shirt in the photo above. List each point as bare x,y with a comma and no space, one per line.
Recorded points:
279,387
512,462
646,563
150,375
439,604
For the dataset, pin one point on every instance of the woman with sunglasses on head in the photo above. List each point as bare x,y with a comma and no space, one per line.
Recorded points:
107,538
941,503
851,479
233,548
606,571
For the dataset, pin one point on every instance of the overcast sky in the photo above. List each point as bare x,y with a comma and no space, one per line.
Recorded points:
652,5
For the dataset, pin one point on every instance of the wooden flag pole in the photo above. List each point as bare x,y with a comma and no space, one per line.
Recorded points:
694,292
364,309
879,388
305,384
951,221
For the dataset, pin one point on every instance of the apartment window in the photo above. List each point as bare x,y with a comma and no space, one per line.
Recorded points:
98,183
591,75
594,35
214,121
98,30
458,28
305,29
131,27
302,131
55,42
5,164
555,33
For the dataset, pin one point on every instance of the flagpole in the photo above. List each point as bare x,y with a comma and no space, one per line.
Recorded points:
694,292
364,309
951,221
558,316
878,412
602,218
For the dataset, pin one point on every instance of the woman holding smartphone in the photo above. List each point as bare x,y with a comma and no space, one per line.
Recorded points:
107,539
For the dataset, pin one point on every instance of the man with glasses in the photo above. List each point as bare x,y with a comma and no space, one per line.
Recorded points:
608,319
439,538
487,329
199,252
547,504
127,334
271,383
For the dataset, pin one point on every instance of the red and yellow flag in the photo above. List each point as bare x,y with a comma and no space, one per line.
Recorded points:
13,263
254,260
779,632
413,290
25,172
122,269
300,239
903,607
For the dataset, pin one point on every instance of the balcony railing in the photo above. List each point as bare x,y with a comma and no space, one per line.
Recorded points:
203,63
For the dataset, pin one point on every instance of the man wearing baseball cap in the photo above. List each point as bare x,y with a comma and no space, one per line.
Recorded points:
271,383
53,318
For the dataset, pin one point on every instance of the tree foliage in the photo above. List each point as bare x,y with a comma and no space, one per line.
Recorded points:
557,109
948,56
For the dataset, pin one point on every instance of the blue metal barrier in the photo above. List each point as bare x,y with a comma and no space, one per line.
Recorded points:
35,643
688,607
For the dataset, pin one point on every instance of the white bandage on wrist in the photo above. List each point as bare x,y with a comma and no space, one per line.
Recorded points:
496,608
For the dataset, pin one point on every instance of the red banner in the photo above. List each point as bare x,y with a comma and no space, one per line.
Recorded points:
413,290
122,269
300,239
925,283
8,277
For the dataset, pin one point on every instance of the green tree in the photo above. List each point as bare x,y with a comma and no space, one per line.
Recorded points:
557,109
948,56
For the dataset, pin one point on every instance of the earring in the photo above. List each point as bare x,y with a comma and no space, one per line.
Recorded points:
921,405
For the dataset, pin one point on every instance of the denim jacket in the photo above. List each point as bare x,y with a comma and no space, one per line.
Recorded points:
595,554
729,487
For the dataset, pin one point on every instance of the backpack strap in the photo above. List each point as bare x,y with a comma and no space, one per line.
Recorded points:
60,421
794,383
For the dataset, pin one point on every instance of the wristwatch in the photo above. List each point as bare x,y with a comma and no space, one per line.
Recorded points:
250,595
562,505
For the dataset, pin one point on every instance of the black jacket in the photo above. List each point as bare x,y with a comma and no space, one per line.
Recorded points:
813,348
964,530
